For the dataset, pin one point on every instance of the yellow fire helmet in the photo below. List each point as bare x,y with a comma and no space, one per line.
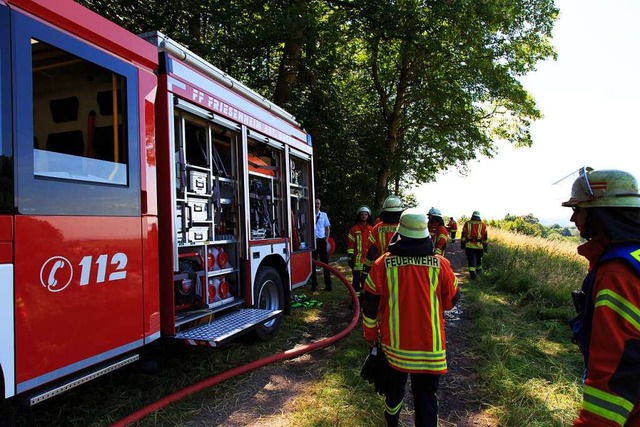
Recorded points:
392,204
413,224
604,188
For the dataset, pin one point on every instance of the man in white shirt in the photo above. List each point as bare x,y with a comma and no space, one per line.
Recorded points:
322,231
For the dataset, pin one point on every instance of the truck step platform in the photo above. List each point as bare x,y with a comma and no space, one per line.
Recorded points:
227,326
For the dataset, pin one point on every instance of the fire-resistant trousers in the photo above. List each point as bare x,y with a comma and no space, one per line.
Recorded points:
474,259
357,277
425,401
321,252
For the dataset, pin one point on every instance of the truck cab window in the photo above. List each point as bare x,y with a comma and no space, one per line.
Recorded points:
79,116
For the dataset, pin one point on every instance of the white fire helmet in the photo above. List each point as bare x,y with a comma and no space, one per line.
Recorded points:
392,204
604,188
413,224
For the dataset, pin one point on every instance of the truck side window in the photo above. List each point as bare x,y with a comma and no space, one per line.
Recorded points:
79,115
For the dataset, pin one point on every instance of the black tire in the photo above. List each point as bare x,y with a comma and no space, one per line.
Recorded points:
269,295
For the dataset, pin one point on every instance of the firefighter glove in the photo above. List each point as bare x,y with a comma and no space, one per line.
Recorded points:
485,247
352,263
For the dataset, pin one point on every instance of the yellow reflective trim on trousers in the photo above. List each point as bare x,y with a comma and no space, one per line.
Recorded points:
435,309
394,410
607,405
622,306
394,310
368,322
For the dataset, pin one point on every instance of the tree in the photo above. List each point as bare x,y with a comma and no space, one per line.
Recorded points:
444,74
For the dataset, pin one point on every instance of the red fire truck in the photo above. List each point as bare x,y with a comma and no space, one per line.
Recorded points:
143,193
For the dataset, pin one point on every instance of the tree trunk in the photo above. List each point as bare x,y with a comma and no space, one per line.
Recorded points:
290,62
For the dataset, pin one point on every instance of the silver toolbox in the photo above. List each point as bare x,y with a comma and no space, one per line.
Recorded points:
198,234
199,209
179,226
198,182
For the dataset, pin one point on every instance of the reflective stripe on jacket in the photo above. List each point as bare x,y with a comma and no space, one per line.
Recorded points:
474,234
413,292
358,243
609,336
379,238
440,238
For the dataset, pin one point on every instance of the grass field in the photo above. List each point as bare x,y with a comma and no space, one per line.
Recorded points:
531,371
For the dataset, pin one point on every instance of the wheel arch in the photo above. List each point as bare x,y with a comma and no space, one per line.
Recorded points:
279,264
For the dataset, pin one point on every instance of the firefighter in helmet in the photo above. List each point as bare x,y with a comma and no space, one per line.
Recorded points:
407,283
606,211
474,241
382,231
358,244
452,227
437,231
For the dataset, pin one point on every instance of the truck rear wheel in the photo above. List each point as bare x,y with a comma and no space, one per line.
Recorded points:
269,296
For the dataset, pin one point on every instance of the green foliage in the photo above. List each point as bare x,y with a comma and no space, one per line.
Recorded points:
529,225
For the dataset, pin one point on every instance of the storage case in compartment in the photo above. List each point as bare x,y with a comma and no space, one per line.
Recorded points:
198,182
199,209
198,234
179,226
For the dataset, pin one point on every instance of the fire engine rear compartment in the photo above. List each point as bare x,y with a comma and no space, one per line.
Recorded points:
234,170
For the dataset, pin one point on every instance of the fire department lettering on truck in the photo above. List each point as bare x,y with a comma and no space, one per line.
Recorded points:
57,272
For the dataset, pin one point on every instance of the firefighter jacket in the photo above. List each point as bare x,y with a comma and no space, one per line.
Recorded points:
474,234
413,292
608,333
440,238
358,243
379,241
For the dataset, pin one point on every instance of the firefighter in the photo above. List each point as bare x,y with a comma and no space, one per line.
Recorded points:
382,231
408,283
474,241
437,231
452,228
606,211
358,244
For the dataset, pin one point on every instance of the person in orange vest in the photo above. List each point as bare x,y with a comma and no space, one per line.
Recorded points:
606,211
437,231
452,227
408,283
358,245
474,241
382,231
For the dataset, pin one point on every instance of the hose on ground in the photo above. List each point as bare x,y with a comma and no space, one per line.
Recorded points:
223,376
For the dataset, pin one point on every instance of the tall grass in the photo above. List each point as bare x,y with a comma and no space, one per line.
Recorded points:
531,371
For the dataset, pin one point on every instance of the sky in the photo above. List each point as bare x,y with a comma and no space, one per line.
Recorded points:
590,99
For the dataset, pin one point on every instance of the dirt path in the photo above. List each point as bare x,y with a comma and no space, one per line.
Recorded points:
459,396
264,395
